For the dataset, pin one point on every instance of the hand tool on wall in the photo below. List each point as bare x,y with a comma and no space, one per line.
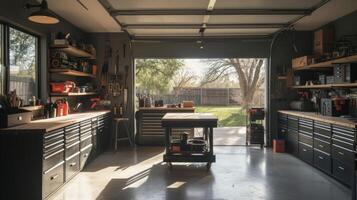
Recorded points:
106,62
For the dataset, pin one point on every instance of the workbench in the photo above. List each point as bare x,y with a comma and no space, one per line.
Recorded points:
207,121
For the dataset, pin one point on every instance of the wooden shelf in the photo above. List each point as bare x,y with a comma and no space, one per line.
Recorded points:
73,94
70,72
73,51
330,63
327,86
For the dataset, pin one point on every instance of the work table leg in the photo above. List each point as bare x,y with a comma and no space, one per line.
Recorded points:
211,140
167,139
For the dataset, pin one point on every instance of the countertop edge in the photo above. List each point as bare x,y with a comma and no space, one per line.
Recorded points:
326,119
25,128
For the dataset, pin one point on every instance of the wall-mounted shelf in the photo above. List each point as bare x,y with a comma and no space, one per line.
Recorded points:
73,51
326,86
329,63
70,72
73,94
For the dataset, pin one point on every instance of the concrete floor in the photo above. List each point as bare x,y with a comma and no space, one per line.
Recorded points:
229,135
239,173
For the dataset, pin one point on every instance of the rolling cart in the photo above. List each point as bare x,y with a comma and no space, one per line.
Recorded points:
189,152
255,127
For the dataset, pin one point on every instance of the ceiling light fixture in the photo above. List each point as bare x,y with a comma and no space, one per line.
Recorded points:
42,16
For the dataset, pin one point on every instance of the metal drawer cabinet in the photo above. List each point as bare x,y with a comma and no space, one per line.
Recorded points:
322,130
52,179
84,156
53,148
322,161
305,153
343,155
293,122
322,145
305,138
343,137
306,125
342,172
72,166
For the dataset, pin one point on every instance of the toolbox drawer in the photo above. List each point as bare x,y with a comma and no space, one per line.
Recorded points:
322,146
342,172
72,149
322,161
305,153
84,156
52,179
306,139
342,155
323,129
86,141
53,159
72,166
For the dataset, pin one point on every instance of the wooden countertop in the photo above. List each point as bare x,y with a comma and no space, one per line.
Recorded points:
46,125
189,117
164,109
189,120
312,115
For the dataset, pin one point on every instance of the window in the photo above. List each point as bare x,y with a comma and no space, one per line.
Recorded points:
23,64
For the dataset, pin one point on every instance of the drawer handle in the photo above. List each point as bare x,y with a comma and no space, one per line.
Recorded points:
321,158
73,164
341,153
19,118
54,177
303,149
341,168
322,146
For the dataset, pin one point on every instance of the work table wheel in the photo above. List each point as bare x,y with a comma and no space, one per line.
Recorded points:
169,164
208,166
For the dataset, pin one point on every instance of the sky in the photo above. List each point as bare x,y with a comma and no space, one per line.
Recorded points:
196,66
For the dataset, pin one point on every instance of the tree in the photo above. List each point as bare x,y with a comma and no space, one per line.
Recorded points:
183,78
155,75
250,74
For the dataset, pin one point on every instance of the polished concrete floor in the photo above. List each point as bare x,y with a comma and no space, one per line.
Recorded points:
229,135
239,173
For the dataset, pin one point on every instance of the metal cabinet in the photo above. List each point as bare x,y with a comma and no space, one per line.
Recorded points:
292,136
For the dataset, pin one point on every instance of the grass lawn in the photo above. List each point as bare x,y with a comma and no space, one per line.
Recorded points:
227,115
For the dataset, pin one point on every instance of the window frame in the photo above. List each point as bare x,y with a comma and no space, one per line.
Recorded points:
6,57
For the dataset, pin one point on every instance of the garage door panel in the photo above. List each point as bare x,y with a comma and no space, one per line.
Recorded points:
158,4
164,32
265,4
162,19
251,19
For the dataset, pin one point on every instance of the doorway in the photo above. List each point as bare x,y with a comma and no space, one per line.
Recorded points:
226,87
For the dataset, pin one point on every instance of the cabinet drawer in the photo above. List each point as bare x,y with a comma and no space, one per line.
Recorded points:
342,155
342,142
322,137
52,179
84,156
86,142
342,172
322,146
322,129
53,159
322,161
305,153
72,166
306,139
72,149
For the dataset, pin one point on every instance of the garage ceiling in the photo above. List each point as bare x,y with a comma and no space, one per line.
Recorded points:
182,18
196,18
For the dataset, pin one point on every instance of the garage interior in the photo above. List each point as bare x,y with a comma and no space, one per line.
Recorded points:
70,130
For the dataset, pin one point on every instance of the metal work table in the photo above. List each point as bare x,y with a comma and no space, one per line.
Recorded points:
207,121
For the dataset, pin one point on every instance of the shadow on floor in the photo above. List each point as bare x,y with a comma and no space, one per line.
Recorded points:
182,182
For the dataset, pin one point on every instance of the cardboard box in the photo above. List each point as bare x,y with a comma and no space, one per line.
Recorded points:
302,61
323,41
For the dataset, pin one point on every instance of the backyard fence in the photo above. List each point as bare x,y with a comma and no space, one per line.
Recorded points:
25,87
209,96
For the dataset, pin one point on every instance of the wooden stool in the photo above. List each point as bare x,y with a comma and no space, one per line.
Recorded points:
117,122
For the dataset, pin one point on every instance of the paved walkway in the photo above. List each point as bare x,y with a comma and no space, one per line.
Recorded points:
227,135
